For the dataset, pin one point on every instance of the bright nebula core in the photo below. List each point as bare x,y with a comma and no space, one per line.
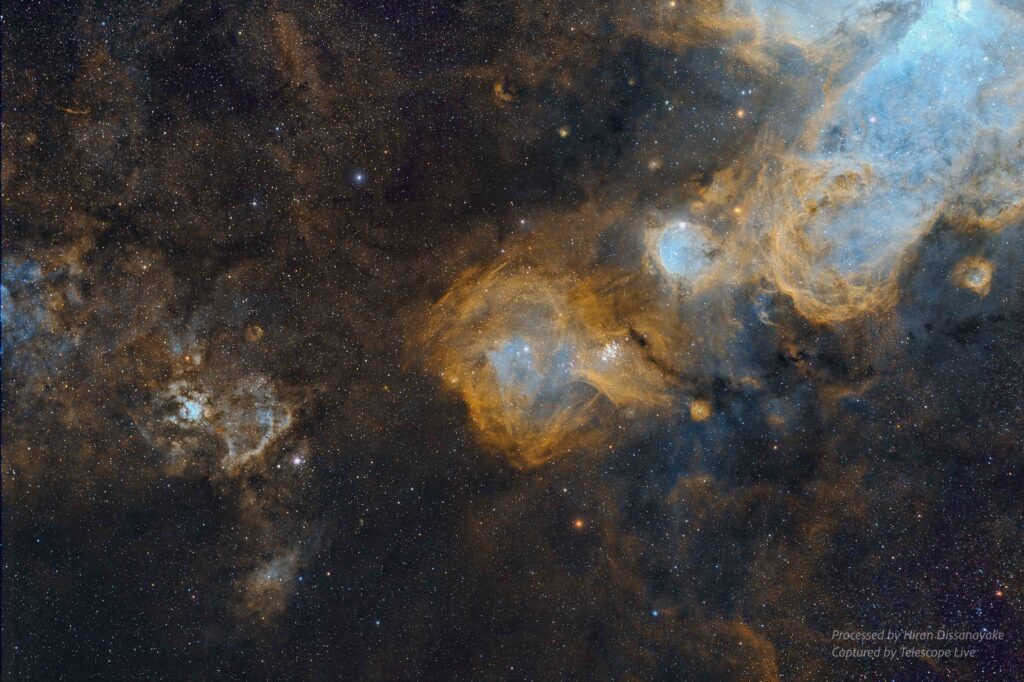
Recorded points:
460,340
682,251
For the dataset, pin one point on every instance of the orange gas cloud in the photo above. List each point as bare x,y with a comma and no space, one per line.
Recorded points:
540,360
974,273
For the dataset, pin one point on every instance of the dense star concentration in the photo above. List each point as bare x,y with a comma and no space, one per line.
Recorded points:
669,340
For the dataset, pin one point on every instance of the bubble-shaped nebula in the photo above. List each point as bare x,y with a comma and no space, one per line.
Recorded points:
683,251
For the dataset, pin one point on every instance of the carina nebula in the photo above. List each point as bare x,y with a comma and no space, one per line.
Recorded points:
670,340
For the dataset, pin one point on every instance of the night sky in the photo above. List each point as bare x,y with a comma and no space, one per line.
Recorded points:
656,340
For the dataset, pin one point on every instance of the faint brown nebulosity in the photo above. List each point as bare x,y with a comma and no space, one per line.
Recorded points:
467,341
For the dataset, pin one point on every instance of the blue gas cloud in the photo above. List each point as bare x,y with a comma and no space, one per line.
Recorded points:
897,116
919,115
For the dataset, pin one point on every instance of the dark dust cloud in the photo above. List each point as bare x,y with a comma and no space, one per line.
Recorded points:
670,340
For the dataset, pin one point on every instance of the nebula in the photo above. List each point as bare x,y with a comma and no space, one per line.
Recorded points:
660,340
895,139
974,273
683,252
540,361
240,420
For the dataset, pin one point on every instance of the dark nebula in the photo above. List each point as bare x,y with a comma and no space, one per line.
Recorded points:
671,340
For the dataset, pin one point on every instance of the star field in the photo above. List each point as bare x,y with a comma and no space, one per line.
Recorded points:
660,340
